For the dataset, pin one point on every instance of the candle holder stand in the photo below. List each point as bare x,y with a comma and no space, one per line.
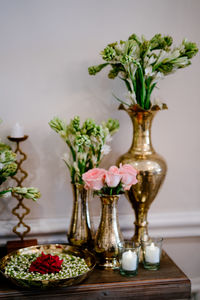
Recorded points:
17,244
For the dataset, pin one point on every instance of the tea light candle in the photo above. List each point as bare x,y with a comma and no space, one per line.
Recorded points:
129,261
17,131
152,254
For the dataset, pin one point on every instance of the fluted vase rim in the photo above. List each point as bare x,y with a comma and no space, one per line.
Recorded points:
134,109
109,196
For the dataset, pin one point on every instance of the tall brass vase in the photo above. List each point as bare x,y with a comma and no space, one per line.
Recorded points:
80,229
151,170
108,236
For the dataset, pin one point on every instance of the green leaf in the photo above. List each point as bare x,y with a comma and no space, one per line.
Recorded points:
121,101
93,70
127,84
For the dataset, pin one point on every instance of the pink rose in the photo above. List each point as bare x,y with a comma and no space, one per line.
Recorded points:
128,174
113,177
94,179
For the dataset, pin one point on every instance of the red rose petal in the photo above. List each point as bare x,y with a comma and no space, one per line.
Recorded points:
46,263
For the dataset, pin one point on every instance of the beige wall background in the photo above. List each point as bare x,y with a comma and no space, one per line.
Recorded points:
46,47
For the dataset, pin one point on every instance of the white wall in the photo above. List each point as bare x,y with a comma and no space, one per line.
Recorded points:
46,47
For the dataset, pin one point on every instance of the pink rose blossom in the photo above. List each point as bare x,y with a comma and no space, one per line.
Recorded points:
128,174
113,177
94,179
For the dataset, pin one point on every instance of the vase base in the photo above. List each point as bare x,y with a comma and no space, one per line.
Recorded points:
108,264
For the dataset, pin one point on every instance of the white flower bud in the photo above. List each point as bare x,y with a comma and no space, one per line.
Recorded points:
105,149
6,195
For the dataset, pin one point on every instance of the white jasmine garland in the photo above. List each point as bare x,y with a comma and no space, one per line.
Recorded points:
18,267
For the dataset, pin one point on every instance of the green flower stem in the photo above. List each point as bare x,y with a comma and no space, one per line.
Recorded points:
72,150
142,84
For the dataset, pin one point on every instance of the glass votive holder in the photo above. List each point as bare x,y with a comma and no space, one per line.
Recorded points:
152,250
129,259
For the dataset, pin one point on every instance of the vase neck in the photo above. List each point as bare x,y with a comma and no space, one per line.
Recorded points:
142,144
79,231
109,206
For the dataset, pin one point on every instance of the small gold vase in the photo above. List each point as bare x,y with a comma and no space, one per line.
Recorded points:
151,170
80,229
108,236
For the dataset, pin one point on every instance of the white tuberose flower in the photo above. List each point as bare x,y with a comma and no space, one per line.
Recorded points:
105,149
82,155
148,71
108,138
94,160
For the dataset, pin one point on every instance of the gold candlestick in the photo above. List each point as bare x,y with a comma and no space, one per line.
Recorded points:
13,245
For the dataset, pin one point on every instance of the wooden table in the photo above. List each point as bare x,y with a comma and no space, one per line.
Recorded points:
167,283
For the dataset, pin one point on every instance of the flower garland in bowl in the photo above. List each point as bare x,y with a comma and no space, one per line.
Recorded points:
114,181
45,266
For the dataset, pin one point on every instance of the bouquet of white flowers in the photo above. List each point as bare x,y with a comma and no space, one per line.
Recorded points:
140,63
87,143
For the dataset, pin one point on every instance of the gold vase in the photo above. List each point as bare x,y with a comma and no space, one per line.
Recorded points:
80,229
108,236
151,170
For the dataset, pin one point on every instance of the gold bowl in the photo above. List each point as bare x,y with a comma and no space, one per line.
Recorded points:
48,249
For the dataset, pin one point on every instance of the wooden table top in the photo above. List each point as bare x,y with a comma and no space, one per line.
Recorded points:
169,282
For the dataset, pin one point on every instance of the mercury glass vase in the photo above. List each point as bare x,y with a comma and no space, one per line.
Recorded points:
80,228
108,237
151,170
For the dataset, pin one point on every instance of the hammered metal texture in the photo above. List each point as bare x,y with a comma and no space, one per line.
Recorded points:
80,228
151,170
108,237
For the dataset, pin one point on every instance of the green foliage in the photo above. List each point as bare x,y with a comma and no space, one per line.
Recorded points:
8,168
87,143
140,63
28,193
